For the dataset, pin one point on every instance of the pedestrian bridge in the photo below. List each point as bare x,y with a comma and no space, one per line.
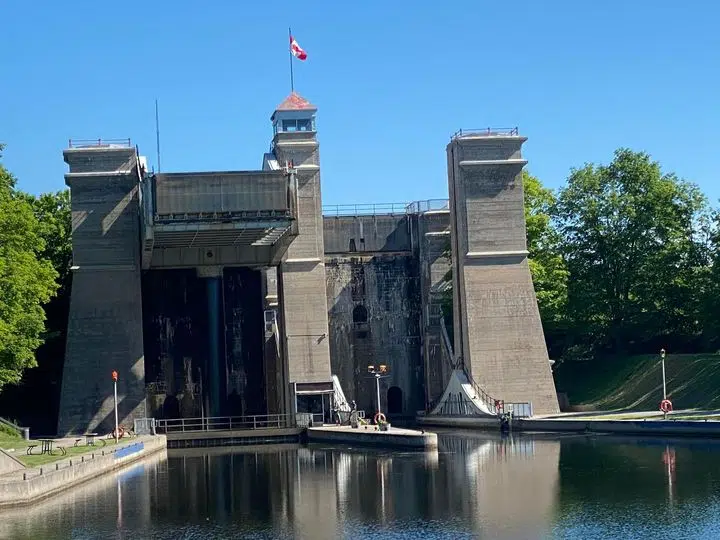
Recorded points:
220,218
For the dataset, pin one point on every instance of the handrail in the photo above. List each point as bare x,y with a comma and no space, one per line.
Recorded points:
428,205
214,423
485,132
94,143
372,209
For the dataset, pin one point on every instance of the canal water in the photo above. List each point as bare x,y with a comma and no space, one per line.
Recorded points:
475,486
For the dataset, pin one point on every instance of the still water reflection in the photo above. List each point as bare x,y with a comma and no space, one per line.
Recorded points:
475,486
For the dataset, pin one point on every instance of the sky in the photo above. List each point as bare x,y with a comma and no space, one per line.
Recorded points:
392,82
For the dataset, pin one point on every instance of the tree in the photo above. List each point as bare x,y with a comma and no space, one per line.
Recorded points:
52,211
26,281
547,266
628,236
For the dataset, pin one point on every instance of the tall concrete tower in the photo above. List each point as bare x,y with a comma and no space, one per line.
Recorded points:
105,330
498,332
301,274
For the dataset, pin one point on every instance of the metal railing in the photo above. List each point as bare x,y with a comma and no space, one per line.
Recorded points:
216,423
484,132
93,143
364,209
429,205
371,209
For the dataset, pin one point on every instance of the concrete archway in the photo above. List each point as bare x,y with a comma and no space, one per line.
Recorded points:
394,400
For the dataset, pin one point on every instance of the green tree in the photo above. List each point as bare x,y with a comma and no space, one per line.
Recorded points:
628,235
52,211
547,266
27,282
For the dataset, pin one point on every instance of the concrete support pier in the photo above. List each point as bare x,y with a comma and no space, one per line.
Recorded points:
498,332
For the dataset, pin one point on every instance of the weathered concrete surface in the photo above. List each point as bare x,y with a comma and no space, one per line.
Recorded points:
301,275
175,324
105,324
385,232
42,482
432,245
9,463
393,438
375,315
498,332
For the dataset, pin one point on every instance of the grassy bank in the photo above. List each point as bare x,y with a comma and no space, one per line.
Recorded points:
19,447
635,382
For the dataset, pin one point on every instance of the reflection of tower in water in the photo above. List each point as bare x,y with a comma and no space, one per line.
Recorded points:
508,485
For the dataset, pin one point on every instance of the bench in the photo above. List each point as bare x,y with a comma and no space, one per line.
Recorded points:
29,449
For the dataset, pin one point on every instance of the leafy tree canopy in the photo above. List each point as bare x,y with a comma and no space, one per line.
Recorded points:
27,281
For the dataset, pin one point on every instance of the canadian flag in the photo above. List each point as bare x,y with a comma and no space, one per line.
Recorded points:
296,50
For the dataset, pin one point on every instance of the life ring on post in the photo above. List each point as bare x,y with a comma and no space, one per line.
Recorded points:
379,417
120,433
666,406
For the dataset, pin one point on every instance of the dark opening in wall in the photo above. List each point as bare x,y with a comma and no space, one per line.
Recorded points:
360,326
394,400
360,314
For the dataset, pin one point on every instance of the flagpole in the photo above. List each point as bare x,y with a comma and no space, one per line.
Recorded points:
292,79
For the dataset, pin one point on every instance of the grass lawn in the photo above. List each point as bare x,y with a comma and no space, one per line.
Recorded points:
36,460
20,446
634,383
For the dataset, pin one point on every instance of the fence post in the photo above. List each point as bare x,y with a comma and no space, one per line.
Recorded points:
254,422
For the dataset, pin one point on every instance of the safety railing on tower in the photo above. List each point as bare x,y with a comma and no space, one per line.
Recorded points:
371,209
94,143
485,132
429,205
363,209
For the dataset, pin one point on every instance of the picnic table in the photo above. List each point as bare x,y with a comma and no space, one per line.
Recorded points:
89,439
46,447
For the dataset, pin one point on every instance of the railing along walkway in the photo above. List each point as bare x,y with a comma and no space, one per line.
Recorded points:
217,423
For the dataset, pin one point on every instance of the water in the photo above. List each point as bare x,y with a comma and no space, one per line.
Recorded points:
476,486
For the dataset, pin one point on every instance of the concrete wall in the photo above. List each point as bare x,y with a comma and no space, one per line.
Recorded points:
375,312
47,480
432,243
497,323
9,463
367,233
301,275
189,193
105,324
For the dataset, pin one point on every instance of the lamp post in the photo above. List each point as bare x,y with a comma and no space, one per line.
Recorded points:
378,373
115,379
662,360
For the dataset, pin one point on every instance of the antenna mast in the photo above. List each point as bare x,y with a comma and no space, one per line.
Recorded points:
157,133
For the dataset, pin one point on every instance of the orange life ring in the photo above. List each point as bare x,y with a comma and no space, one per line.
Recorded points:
666,406
120,433
499,406
379,416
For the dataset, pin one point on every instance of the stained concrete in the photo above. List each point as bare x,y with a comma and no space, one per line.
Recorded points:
498,332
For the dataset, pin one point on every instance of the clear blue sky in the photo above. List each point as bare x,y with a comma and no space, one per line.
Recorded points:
392,81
